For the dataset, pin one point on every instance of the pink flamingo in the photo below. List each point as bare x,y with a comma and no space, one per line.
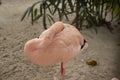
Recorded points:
60,43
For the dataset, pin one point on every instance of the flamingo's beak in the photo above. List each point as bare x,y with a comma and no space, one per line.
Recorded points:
84,45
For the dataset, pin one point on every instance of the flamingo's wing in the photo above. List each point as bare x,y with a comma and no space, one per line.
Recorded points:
59,43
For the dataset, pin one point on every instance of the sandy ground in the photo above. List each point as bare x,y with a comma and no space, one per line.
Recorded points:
104,47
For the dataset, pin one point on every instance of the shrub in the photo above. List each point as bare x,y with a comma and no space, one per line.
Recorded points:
94,12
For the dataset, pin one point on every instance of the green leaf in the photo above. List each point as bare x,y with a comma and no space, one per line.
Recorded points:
25,14
117,11
73,21
63,5
32,20
49,20
41,6
29,12
60,14
71,5
51,17
66,16
35,12
44,14
56,6
32,7
48,6
93,22
37,17
44,21
52,1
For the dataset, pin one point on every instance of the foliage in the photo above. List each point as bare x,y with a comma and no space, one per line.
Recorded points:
94,12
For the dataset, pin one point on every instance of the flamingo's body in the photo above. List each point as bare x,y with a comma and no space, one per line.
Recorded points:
60,43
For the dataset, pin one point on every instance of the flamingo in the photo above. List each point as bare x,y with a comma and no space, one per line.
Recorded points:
58,44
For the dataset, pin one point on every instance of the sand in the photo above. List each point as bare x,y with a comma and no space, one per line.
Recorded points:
104,47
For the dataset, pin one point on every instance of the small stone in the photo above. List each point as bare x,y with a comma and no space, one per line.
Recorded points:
4,38
82,60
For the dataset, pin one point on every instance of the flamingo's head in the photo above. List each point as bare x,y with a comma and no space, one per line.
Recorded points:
84,45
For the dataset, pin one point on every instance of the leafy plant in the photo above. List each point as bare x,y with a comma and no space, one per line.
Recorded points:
94,12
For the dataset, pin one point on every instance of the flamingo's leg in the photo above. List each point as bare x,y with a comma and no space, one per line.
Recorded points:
62,71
